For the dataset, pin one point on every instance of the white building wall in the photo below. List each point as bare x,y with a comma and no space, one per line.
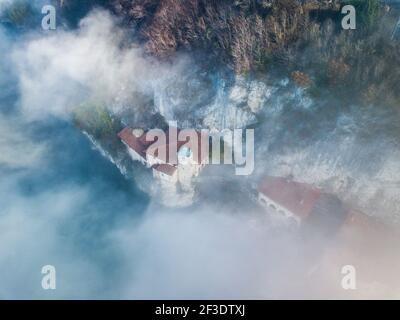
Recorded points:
151,161
186,174
165,177
272,205
135,156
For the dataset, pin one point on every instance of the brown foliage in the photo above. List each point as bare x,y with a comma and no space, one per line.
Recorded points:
242,33
301,79
249,34
337,71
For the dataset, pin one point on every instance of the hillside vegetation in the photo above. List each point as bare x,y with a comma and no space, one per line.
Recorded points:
301,38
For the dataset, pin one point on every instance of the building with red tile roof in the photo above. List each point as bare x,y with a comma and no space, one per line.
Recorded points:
325,212
290,197
188,153
135,142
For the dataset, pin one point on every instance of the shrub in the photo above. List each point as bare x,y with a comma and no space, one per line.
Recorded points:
301,79
96,120
337,71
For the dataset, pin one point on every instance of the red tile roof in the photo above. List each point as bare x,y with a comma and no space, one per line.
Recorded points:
133,142
141,145
143,140
298,198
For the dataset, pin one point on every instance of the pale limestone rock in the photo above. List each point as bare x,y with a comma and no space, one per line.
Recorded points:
259,92
239,92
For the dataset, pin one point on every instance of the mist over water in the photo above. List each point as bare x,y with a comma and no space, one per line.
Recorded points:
62,203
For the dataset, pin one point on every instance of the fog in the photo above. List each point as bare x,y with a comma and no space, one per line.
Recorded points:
93,226
63,204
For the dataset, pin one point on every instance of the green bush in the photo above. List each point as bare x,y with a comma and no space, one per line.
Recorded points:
96,120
